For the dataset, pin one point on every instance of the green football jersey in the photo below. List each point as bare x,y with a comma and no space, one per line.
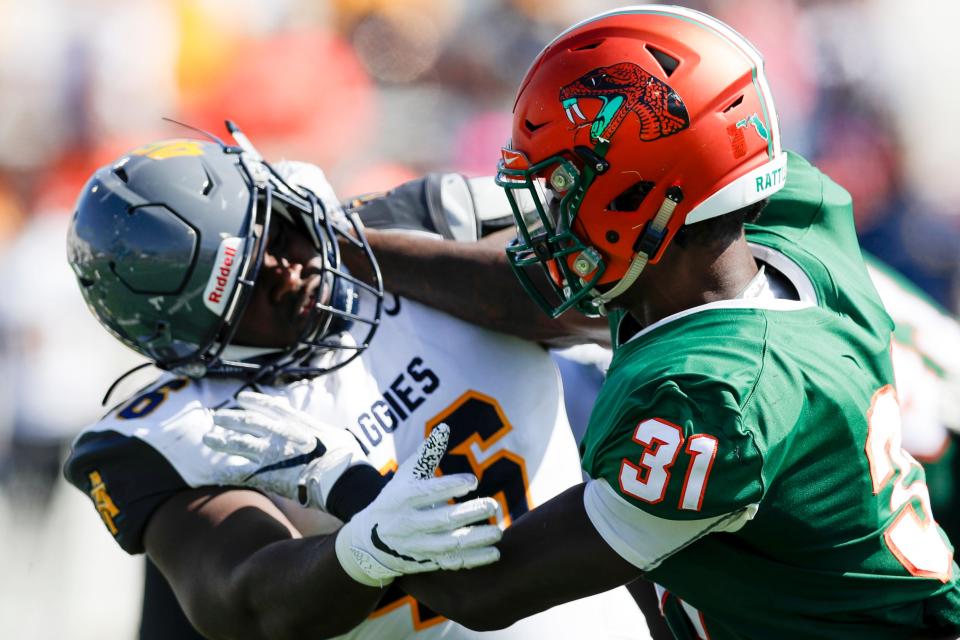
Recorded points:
926,363
785,407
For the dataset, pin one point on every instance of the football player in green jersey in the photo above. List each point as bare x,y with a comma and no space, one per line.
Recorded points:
745,450
926,363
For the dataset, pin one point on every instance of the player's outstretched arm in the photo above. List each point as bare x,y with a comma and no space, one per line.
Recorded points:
241,570
474,282
550,555
425,235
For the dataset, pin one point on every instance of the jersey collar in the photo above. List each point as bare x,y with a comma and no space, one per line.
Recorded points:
765,255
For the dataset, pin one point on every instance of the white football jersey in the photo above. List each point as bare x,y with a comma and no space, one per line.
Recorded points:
501,397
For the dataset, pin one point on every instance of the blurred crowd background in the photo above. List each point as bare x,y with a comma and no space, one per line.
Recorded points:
376,92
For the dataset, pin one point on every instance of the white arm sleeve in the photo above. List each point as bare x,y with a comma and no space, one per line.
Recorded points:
642,539
471,204
461,209
490,203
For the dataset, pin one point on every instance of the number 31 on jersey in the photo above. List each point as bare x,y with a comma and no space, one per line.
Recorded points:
662,440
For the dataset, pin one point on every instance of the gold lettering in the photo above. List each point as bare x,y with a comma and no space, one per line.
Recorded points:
103,502
169,149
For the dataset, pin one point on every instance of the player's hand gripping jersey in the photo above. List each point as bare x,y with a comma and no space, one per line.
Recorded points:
425,368
762,437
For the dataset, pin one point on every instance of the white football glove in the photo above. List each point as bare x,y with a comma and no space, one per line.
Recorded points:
286,452
309,176
410,527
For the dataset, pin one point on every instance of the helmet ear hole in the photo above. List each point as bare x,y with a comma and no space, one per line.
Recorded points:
632,197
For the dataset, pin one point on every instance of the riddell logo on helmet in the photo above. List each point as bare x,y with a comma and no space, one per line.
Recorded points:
224,275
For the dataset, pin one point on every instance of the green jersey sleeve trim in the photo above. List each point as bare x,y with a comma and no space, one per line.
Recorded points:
642,539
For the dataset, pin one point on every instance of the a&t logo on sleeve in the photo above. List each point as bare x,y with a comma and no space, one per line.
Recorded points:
103,502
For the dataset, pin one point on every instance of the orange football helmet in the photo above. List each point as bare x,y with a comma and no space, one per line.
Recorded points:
626,127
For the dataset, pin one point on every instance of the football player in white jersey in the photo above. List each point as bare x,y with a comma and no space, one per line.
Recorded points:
228,274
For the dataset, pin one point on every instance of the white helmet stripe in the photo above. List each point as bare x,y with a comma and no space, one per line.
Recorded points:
756,58
754,186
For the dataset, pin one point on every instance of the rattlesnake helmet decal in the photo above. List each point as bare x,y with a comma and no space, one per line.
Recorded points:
626,88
